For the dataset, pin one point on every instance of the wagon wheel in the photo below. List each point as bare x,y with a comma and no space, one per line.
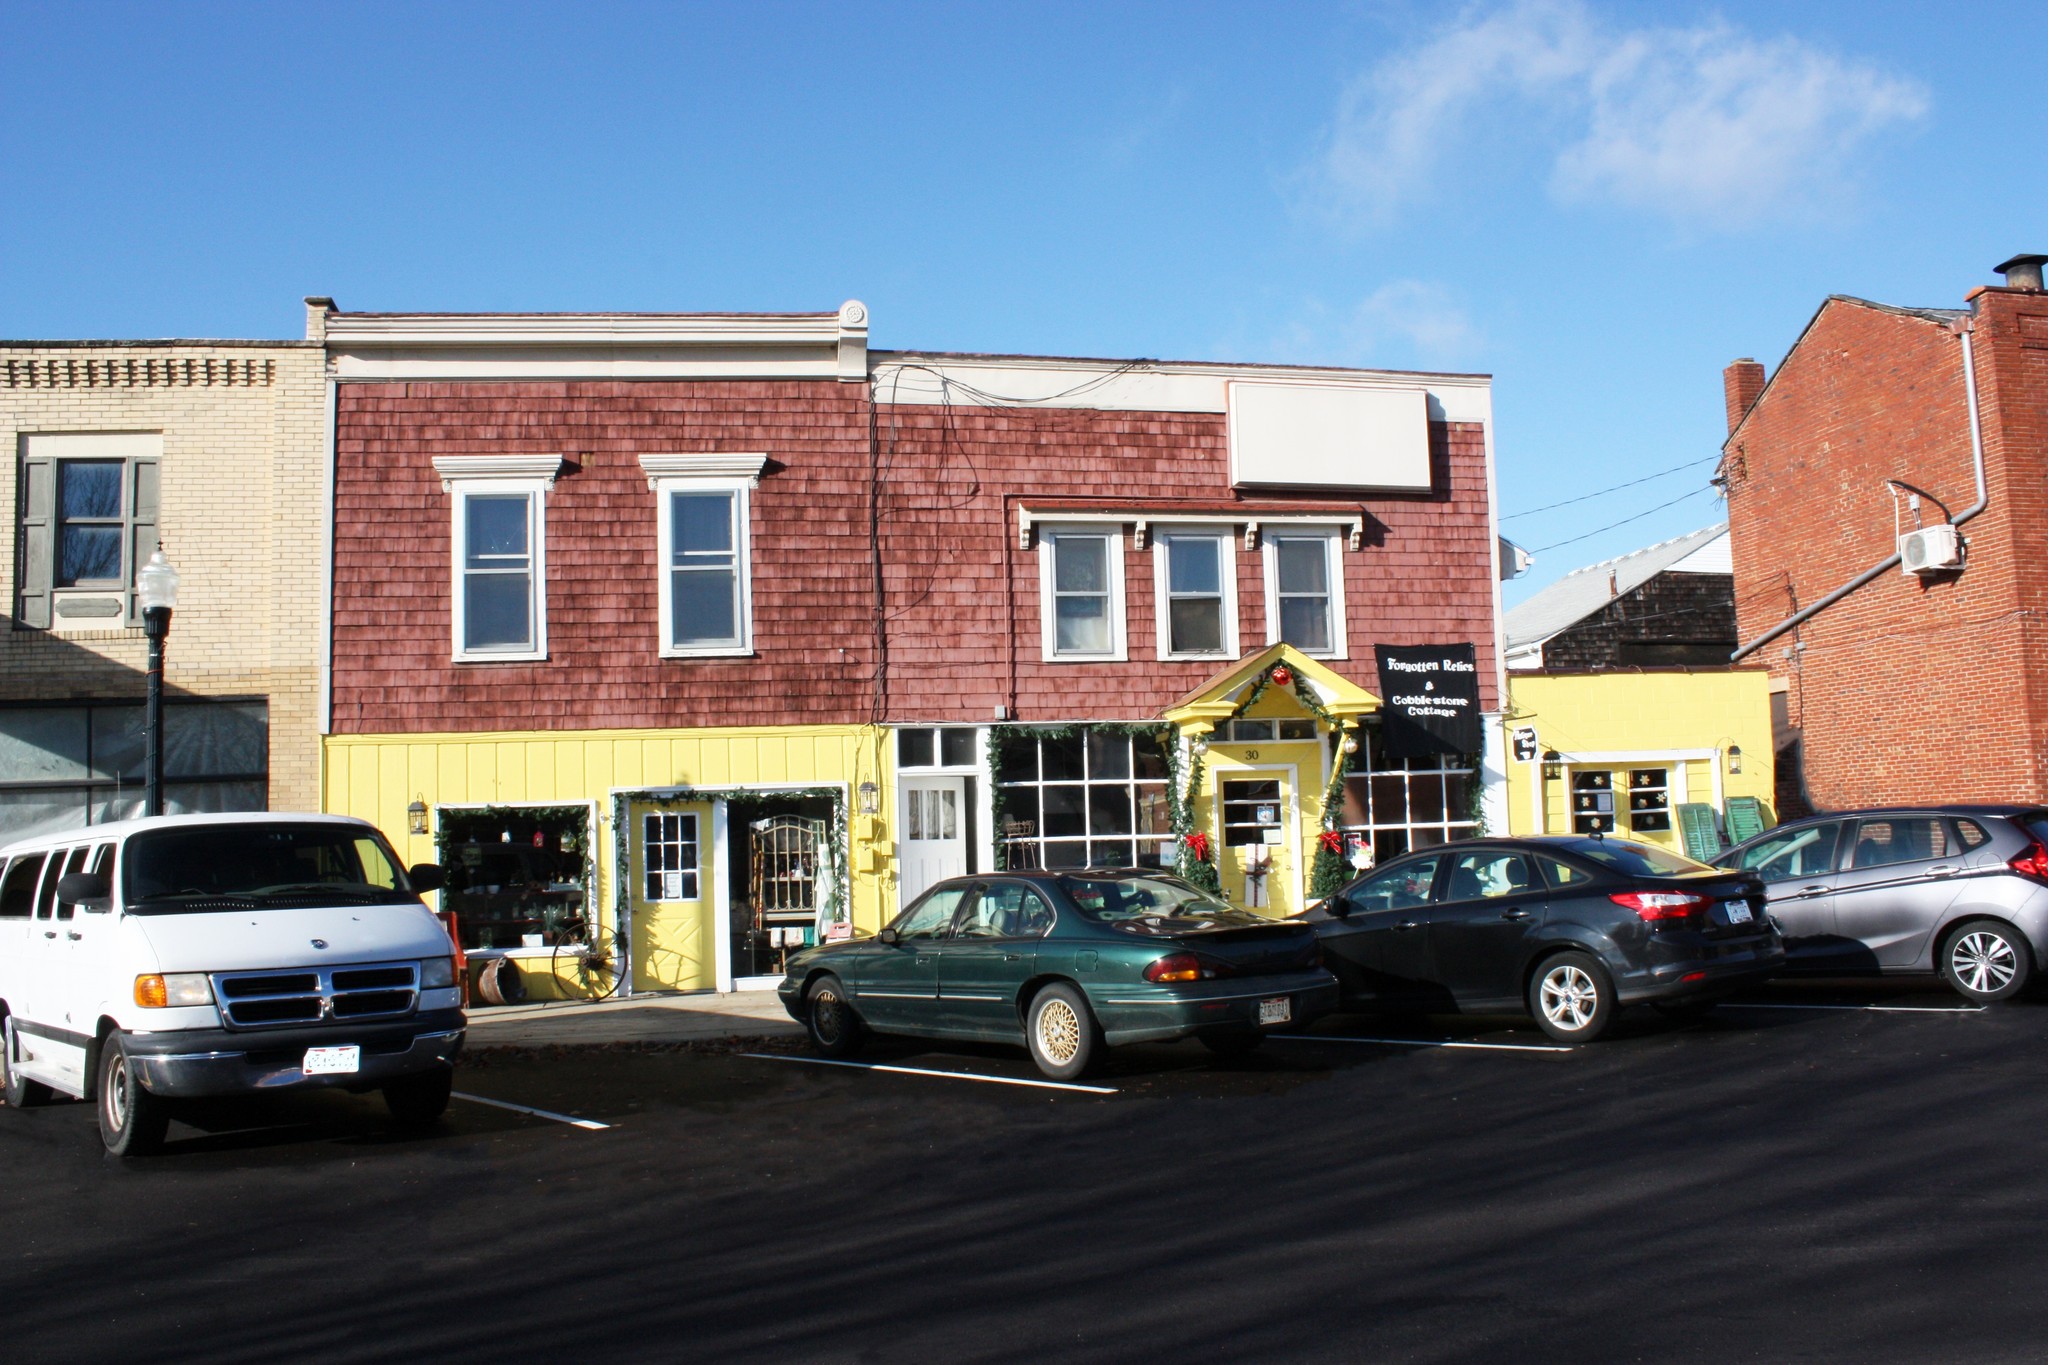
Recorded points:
586,964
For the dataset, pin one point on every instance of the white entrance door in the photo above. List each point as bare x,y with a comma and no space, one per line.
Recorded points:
933,845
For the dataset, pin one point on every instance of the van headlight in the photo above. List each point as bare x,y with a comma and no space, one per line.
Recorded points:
436,973
177,988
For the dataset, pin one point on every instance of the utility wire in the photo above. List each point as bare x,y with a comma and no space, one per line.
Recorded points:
1623,522
1588,497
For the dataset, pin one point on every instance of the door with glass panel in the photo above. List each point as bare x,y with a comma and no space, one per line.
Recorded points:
1257,863
933,843
673,941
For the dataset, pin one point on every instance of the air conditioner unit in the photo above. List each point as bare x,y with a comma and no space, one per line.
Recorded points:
1931,549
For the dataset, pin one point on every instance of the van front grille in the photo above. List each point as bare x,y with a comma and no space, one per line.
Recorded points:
378,990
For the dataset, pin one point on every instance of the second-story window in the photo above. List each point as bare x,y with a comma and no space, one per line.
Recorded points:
500,589
499,541
1197,595
1304,592
88,519
1081,582
704,590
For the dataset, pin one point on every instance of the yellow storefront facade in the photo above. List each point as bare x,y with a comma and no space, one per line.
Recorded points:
1624,751
630,860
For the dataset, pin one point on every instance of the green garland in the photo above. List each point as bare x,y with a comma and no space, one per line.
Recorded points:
1329,870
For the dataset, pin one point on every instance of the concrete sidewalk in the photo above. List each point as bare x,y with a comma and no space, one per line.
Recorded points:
640,1019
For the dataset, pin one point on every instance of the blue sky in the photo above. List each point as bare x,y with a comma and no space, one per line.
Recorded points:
1598,203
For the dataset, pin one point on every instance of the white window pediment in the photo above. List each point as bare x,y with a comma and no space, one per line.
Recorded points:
704,465
455,468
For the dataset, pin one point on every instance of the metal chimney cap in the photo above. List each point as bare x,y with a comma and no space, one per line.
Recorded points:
2022,272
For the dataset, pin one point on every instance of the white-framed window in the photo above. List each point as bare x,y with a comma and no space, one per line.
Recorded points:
1093,798
498,542
1195,588
706,589
1305,590
669,855
1081,593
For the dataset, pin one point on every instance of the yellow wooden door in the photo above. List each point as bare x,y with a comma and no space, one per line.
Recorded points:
673,899
1255,816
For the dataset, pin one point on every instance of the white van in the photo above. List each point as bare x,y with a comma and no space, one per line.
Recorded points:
152,960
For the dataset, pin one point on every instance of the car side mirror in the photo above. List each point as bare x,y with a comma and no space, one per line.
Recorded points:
889,936
1338,906
426,876
87,891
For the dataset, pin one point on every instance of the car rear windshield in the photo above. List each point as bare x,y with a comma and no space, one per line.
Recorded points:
2036,822
258,866
1112,900
1637,860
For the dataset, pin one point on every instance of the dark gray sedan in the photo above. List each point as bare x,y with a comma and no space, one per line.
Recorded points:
1958,890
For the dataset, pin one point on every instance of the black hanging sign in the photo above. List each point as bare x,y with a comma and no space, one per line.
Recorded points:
1431,696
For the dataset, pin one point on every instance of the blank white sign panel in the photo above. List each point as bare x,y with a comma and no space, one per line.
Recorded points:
1326,436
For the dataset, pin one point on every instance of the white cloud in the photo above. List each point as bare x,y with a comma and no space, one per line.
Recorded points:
1415,319
1709,125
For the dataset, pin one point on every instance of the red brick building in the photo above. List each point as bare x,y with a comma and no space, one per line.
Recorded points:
1927,679
671,579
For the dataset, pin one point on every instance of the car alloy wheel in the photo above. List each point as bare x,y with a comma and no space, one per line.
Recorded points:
1572,997
836,1031
1059,1032
1569,997
1983,961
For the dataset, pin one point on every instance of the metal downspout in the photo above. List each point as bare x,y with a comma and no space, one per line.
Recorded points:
1983,500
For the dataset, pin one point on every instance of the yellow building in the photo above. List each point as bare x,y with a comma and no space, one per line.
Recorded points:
629,831
1624,751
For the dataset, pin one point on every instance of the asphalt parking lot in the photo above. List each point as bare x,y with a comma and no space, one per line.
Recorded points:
1812,1180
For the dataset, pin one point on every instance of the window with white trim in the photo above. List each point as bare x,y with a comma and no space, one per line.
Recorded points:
1394,805
1195,587
498,543
1081,587
1305,592
706,602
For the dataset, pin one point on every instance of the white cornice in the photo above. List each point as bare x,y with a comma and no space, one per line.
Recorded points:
713,464
531,346
454,467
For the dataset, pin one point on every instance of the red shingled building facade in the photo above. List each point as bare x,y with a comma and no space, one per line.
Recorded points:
1000,571
1913,686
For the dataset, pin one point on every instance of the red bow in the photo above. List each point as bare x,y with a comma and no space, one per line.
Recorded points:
1198,844
1332,841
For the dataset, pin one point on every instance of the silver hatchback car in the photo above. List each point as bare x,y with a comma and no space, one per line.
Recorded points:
1958,890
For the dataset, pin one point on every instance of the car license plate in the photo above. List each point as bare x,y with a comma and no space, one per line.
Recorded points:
1276,1011
332,1061
1738,912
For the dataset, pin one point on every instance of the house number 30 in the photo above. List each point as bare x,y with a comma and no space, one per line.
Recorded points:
1252,754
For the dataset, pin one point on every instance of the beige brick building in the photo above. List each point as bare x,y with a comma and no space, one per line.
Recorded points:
217,449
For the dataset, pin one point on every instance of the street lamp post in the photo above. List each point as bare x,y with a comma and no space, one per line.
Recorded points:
156,588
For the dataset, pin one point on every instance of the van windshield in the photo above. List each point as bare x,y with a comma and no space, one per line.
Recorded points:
259,866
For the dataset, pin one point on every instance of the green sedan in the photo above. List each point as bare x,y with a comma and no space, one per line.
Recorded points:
1066,963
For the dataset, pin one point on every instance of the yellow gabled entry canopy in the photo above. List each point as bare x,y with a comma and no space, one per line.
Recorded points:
1217,699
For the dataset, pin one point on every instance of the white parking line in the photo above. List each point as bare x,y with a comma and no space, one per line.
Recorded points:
1416,1042
569,1119
1881,1009
926,1071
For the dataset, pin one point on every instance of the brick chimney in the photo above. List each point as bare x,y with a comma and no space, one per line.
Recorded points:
1741,382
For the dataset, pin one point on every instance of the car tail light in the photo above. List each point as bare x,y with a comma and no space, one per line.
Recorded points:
1657,908
2032,863
1186,967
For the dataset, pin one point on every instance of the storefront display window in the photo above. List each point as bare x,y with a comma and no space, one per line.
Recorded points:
518,876
1398,804
1085,798
1649,799
68,766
